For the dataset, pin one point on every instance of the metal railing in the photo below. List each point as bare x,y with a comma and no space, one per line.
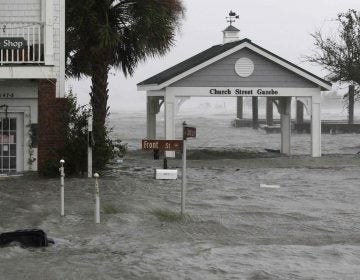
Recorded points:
32,52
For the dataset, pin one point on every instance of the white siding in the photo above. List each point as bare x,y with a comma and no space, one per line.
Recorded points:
20,10
31,10
266,74
57,45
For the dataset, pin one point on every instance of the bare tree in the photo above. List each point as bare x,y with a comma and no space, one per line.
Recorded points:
340,55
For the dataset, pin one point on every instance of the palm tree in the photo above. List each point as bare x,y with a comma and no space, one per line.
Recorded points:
105,34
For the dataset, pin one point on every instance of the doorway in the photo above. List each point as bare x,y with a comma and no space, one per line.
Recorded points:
11,143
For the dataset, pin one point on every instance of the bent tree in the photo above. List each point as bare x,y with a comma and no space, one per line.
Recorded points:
340,54
106,34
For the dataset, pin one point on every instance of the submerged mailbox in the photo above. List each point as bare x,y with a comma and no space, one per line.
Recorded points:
166,174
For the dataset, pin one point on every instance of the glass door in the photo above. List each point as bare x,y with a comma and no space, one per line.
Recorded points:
8,144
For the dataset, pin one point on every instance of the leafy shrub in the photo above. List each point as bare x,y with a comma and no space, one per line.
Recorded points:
75,148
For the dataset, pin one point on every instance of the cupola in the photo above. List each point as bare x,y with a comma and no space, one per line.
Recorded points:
231,33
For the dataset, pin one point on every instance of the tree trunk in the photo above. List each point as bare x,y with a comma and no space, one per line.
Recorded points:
99,98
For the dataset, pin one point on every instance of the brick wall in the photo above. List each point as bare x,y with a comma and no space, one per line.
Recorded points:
50,121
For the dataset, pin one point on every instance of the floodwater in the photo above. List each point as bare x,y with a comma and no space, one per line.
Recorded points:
307,228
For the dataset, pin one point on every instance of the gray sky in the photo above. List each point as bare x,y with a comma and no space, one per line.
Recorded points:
280,26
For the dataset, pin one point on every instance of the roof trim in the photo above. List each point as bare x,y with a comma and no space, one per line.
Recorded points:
245,43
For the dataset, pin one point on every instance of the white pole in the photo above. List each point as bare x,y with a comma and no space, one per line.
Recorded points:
62,175
90,125
97,199
183,185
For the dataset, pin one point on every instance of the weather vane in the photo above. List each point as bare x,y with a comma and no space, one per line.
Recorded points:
232,17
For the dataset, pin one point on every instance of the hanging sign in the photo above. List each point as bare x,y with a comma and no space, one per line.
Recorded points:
12,43
163,145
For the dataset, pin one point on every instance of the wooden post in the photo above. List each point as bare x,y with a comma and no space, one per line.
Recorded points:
255,113
316,126
269,111
239,107
351,104
299,112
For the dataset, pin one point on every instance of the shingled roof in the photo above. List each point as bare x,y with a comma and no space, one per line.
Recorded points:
231,28
208,54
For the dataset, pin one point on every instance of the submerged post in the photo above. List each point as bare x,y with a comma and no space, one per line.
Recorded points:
90,144
97,199
299,112
255,112
239,107
183,181
269,111
62,176
351,100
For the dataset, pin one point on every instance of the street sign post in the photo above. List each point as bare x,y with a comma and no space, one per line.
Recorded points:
188,132
174,145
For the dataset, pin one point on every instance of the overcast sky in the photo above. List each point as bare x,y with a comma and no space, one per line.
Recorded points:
280,26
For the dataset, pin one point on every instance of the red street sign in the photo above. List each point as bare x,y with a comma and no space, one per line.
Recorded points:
164,145
189,132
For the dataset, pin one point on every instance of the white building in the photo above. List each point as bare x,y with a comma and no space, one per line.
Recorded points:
32,74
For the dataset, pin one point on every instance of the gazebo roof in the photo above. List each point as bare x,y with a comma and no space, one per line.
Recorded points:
215,53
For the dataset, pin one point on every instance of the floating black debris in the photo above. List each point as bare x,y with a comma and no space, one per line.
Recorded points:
273,151
26,237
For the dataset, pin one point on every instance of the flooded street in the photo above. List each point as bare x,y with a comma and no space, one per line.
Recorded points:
308,228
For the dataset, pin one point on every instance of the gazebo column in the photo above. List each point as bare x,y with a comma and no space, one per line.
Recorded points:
285,124
170,111
152,109
316,126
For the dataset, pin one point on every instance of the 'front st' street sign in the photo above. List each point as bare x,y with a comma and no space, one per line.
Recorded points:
12,43
162,145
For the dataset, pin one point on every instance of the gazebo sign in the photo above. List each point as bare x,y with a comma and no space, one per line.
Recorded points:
12,43
245,91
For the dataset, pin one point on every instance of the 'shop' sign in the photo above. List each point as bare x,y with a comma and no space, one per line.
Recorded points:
12,43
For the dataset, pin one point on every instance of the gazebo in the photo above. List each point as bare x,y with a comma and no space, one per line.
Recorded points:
236,68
